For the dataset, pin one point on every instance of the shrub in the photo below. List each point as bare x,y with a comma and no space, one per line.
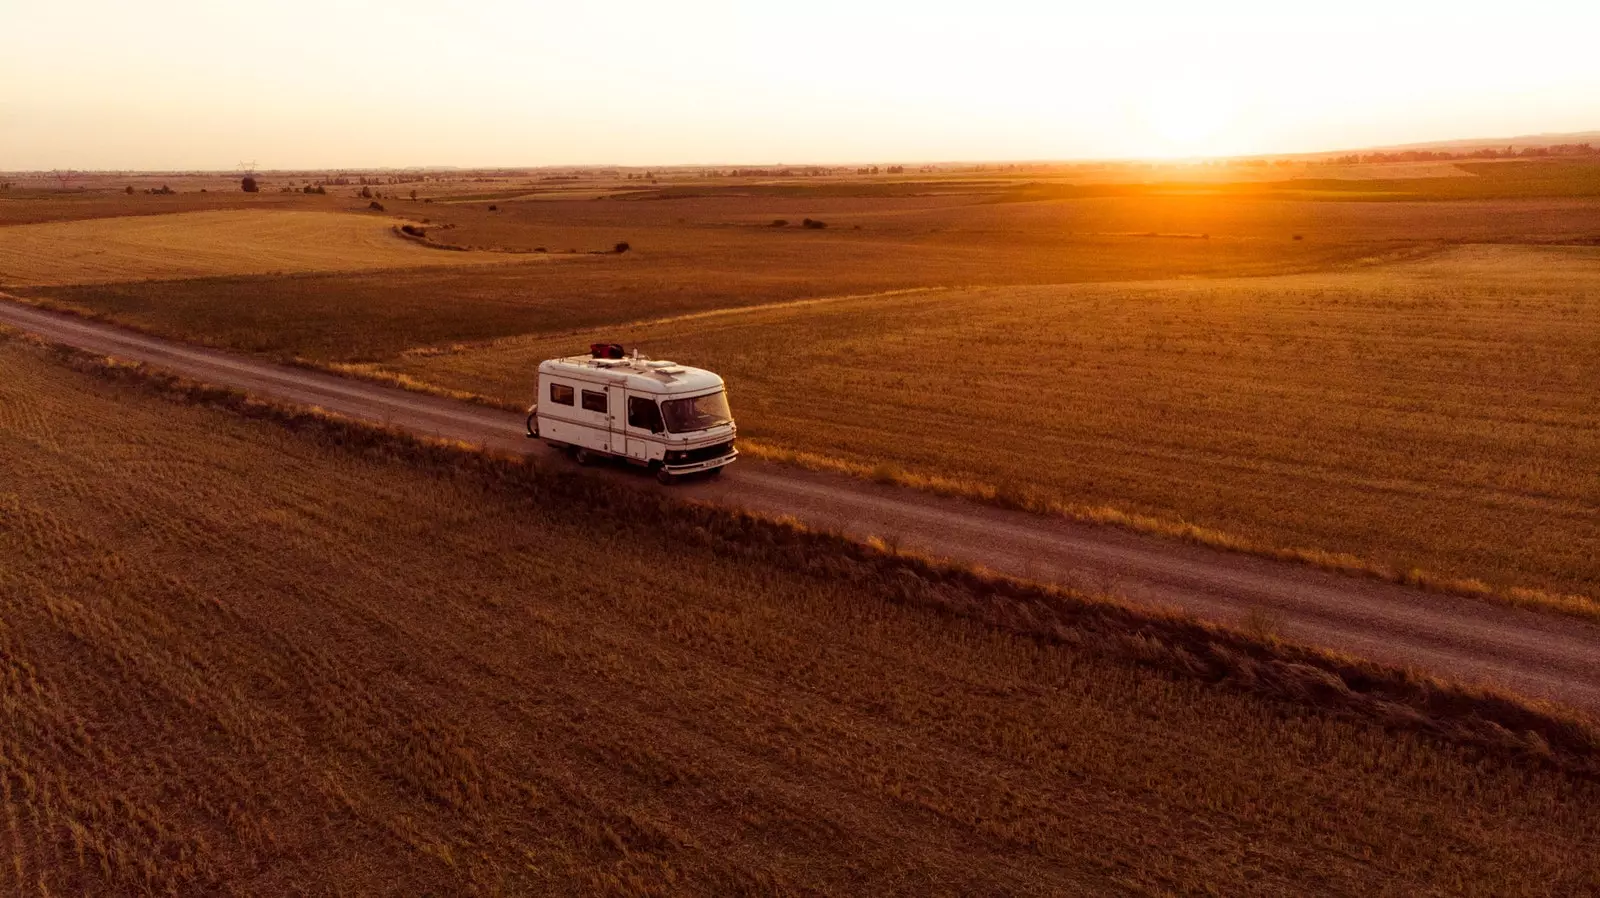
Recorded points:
366,193
130,190
414,231
781,222
249,185
621,248
1299,236
813,224
375,206
494,208
540,249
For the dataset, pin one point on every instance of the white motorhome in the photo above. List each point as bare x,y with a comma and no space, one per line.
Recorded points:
657,414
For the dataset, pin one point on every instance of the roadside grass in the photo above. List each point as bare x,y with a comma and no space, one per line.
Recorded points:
1429,423
1022,499
249,649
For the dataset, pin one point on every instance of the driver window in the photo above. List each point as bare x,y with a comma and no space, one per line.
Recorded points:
644,414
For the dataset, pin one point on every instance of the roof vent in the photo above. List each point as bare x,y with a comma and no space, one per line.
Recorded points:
659,363
672,369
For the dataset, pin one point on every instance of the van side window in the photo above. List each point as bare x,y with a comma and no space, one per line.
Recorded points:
594,402
644,414
560,394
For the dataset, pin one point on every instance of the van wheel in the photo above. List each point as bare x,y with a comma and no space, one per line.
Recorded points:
583,456
665,477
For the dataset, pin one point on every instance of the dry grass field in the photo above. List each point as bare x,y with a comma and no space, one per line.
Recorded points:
236,659
710,252
1441,414
207,244
1357,361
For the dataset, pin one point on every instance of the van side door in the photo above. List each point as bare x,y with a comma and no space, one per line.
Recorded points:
644,428
618,401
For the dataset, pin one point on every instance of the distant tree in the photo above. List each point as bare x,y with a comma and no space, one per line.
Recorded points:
621,248
130,190
249,185
813,224
366,192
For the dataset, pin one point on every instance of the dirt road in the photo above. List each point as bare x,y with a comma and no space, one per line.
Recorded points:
1541,655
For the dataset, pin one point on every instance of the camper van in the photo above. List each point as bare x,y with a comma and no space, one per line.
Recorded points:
657,414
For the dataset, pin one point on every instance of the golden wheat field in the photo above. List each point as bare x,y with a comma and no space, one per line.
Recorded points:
236,659
1404,387
1439,414
207,244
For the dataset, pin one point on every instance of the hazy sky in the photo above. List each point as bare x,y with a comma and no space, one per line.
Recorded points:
346,83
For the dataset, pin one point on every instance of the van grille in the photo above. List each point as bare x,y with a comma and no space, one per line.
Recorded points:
704,453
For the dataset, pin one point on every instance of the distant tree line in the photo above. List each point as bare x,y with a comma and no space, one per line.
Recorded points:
1510,152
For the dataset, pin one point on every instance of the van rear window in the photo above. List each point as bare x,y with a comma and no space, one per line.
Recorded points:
561,394
594,402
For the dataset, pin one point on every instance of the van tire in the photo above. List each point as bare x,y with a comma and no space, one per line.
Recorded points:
583,456
665,477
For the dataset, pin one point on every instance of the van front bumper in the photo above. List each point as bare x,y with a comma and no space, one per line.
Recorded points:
695,467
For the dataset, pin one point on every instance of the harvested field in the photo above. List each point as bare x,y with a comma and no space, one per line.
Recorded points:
720,252
1439,414
207,244
245,661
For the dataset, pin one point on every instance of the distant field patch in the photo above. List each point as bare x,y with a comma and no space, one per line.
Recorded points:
208,244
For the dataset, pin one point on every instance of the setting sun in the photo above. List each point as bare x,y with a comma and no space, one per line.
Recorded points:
1189,120
716,81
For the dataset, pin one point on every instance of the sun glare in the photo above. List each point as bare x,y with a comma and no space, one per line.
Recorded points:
1188,120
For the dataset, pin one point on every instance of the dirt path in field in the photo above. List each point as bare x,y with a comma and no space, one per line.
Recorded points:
1542,655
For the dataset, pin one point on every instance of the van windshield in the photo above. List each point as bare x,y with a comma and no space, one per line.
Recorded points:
696,412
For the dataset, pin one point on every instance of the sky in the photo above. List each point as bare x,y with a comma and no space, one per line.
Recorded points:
206,84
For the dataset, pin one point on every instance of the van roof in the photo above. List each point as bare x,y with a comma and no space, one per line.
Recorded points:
641,375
